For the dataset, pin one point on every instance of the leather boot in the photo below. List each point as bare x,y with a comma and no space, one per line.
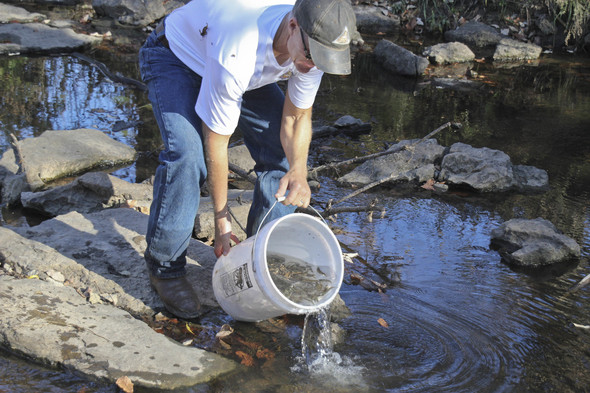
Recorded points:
178,296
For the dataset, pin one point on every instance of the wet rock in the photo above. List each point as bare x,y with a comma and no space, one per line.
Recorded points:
462,85
345,125
90,192
448,53
512,50
55,154
41,39
56,326
135,12
399,60
479,37
488,170
530,179
533,243
415,164
370,19
10,14
483,169
545,26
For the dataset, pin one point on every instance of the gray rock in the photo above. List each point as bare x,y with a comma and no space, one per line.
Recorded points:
135,12
448,53
475,35
533,243
40,38
11,14
55,154
415,164
512,50
371,19
103,252
239,202
545,26
399,60
90,192
56,326
530,179
240,156
483,169
347,121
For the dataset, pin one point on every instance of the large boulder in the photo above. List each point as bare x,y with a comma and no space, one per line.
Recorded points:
489,170
533,243
482,169
413,163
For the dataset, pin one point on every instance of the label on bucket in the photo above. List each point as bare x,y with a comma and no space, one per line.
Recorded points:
237,280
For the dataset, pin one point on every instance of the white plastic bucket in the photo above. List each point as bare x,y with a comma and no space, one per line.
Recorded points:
242,282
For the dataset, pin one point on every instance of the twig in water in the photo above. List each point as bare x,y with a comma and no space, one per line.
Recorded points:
394,175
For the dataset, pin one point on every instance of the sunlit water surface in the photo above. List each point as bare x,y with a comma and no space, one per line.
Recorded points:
454,317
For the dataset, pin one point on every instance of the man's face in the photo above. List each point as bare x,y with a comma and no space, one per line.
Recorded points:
300,51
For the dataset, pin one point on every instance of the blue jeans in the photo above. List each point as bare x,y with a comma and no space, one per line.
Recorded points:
173,91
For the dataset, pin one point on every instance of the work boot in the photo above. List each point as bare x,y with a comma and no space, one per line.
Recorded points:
178,296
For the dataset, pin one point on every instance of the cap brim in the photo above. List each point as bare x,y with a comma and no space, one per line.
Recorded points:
330,60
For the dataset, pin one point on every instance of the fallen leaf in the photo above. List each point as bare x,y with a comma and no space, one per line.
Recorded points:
247,360
383,323
429,185
225,331
125,384
265,353
33,276
189,329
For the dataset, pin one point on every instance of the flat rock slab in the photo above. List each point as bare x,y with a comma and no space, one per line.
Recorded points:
41,38
54,324
101,253
10,14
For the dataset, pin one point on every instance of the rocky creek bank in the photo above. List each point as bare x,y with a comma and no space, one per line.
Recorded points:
75,290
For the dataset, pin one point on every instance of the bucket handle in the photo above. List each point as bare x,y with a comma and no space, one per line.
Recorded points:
279,199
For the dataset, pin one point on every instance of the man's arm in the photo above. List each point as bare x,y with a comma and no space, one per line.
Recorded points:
217,172
295,138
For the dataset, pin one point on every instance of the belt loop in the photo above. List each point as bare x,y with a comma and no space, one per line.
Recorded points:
161,33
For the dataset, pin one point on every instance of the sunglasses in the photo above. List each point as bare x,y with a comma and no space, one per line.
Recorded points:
307,54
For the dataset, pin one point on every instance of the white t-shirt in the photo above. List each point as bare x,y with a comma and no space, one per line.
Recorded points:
229,43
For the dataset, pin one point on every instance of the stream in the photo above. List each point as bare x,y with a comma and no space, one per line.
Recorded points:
454,317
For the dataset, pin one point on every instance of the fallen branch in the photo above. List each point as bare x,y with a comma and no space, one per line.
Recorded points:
394,149
585,281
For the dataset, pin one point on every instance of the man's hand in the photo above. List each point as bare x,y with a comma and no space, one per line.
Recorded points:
295,181
223,235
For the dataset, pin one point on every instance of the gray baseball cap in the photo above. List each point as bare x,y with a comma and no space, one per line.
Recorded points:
328,24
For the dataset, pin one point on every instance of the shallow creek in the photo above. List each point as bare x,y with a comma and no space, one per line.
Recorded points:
457,319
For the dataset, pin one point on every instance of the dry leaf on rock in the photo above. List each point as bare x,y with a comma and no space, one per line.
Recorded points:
125,384
429,185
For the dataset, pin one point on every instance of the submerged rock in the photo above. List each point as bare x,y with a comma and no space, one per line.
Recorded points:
533,243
